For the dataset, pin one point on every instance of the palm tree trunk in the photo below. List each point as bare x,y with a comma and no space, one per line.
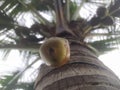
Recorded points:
83,72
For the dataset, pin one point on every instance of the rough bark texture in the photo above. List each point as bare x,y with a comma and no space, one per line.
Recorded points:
83,72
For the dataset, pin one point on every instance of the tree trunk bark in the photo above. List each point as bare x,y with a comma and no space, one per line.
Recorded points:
83,72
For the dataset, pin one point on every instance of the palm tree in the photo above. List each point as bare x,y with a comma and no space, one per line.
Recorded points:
95,28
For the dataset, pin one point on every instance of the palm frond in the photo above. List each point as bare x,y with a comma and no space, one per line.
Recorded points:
5,54
42,5
15,84
4,82
73,8
114,8
76,13
105,39
12,81
106,45
25,86
12,7
5,21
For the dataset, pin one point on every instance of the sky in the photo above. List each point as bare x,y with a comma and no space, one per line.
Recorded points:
112,60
